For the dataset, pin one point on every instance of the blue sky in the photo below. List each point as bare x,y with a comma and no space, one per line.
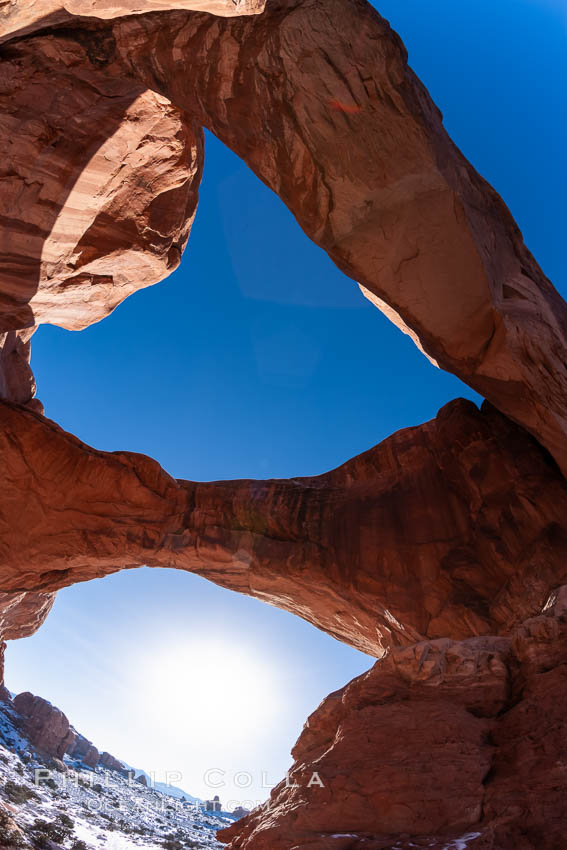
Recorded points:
258,358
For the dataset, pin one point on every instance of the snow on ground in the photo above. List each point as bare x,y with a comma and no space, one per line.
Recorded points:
107,810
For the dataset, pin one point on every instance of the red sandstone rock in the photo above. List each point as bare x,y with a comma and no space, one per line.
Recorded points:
318,98
452,529
455,528
99,189
45,725
328,114
17,382
22,17
21,614
108,761
83,749
436,742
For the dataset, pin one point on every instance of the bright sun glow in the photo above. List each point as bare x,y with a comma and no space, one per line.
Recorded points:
217,688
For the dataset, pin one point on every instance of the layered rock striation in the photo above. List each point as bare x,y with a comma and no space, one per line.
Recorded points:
22,17
455,528
318,98
99,190
436,746
49,731
82,749
46,727
436,550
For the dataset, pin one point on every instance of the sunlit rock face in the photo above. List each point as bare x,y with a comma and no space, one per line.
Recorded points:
455,528
83,749
21,614
45,725
430,549
109,761
23,17
16,377
435,747
318,98
99,189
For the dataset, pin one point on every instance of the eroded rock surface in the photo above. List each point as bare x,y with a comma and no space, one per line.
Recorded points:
424,546
109,761
21,614
454,528
23,17
45,725
438,744
83,749
318,98
99,187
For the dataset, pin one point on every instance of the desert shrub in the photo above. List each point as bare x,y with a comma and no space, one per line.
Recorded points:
9,837
18,793
172,844
57,831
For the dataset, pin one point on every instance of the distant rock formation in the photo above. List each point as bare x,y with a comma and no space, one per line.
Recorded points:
213,805
83,749
108,761
240,812
45,725
49,730
88,222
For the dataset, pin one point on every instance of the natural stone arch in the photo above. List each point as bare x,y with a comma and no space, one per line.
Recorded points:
456,527
451,529
317,97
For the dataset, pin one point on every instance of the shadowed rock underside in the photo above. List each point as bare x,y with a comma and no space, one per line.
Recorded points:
437,550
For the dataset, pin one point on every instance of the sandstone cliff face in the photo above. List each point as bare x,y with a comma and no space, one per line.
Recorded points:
317,97
48,729
329,115
107,760
21,614
440,546
16,377
22,17
45,725
83,749
99,190
434,746
454,528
